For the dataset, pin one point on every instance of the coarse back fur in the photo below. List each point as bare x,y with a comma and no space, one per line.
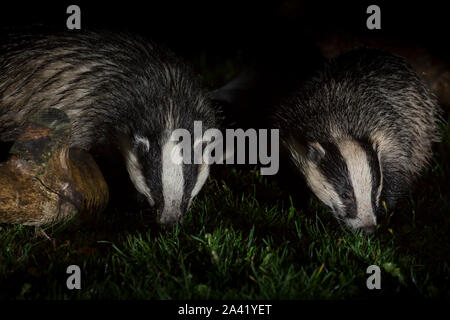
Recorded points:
102,80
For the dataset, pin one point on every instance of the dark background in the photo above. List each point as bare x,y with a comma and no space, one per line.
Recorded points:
225,27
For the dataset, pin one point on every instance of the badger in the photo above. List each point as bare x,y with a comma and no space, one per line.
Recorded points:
360,131
117,89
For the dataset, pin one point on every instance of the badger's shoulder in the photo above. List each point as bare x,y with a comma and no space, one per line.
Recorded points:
100,54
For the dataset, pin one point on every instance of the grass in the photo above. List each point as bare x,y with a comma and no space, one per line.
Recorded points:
244,238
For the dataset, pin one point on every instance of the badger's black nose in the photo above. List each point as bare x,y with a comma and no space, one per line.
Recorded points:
168,224
369,229
167,221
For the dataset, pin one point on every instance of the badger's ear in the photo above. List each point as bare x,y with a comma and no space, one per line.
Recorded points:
315,152
377,150
302,151
376,147
142,142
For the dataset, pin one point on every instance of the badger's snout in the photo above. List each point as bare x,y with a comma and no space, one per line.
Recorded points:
369,229
169,217
365,222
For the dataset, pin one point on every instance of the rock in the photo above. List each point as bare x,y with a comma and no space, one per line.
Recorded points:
44,181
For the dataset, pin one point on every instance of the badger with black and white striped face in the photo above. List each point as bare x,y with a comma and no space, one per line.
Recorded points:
117,89
360,131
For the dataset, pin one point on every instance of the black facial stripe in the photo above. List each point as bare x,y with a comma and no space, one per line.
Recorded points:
333,167
152,170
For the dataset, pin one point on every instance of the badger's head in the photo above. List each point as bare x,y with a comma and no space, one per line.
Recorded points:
156,169
346,176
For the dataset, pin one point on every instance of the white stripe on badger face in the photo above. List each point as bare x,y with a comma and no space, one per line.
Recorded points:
135,171
203,169
203,173
314,178
361,177
172,182
322,188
